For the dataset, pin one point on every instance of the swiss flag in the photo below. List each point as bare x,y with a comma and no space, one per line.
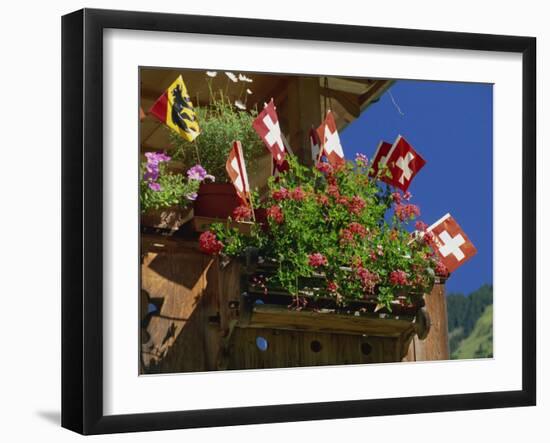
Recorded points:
279,168
236,169
450,242
330,141
403,163
267,127
380,157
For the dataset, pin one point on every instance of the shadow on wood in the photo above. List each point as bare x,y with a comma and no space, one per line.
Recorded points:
202,323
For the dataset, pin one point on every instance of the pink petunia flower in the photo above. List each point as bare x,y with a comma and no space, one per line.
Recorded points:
155,186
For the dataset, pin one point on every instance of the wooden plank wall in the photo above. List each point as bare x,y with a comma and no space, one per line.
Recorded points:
436,344
196,330
180,338
286,349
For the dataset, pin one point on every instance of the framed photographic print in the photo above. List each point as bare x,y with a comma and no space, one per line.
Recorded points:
270,221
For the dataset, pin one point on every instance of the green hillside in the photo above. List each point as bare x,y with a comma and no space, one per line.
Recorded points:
479,344
470,321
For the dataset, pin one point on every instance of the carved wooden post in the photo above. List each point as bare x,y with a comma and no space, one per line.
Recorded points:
436,344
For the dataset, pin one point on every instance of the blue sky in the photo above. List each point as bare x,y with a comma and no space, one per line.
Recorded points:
451,126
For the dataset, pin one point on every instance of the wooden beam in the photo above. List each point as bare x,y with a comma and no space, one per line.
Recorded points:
304,112
279,93
353,86
280,317
374,92
349,101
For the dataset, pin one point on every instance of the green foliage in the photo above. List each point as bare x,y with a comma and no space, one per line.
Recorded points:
174,189
220,124
341,218
464,313
479,344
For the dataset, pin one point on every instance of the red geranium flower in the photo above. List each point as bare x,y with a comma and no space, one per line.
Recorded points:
358,228
276,213
297,194
421,226
209,243
346,237
404,212
317,259
356,205
368,279
280,194
242,212
333,191
325,168
399,278
396,197
332,286
441,269
322,199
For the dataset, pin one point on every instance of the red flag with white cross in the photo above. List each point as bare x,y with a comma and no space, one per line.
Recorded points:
403,163
279,168
380,157
267,127
330,141
450,242
236,169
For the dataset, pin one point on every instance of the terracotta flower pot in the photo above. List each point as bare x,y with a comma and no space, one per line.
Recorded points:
171,218
216,200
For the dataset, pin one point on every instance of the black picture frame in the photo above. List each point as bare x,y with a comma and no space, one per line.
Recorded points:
82,216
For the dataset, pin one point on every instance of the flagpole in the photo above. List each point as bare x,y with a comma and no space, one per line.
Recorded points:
321,142
251,205
197,150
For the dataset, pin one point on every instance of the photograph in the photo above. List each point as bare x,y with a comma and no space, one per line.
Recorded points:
250,222
291,220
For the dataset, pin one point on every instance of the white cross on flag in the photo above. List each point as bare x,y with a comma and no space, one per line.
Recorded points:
236,169
330,141
267,127
379,158
403,163
450,242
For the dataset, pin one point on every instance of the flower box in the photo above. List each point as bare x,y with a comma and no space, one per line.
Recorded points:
314,310
170,219
267,328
